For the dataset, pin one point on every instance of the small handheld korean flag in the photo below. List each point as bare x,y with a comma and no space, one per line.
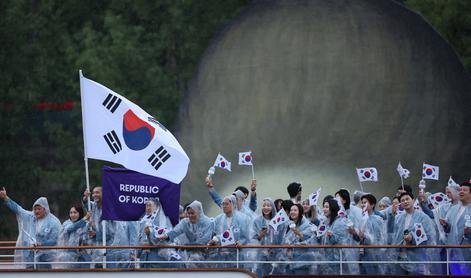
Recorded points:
419,234
245,158
417,205
148,219
451,182
430,172
280,218
438,199
403,172
400,210
227,237
175,255
160,231
367,174
321,230
222,163
313,197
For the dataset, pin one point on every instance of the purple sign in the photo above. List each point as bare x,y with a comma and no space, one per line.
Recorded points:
125,193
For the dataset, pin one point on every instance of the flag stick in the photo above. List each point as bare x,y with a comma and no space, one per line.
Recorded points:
253,173
85,158
103,227
402,182
361,186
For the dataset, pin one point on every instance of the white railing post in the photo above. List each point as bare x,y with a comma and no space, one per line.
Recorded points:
34,259
103,227
447,261
237,258
341,269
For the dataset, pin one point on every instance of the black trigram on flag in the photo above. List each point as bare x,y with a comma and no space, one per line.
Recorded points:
113,142
111,102
159,157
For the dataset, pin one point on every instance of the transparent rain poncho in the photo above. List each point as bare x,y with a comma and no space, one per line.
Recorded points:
43,231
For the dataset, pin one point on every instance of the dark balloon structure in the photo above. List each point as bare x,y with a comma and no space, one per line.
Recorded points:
318,88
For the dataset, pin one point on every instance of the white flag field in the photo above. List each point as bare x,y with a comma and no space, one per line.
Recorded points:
222,163
403,172
430,172
367,174
117,130
245,158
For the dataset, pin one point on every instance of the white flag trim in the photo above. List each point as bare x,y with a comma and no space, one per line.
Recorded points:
103,113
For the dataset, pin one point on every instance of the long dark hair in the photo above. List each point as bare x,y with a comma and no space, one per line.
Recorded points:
79,209
301,213
346,196
333,209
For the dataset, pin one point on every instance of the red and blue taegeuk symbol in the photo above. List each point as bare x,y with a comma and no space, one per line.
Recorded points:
137,133
247,158
418,232
429,171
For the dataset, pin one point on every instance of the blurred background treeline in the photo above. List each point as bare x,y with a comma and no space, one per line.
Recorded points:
144,50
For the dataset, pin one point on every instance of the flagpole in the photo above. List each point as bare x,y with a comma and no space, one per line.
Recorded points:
85,156
402,182
253,173
361,186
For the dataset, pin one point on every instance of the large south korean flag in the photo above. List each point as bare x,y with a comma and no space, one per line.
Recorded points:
117,130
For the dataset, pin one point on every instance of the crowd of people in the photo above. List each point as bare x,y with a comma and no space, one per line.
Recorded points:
340,219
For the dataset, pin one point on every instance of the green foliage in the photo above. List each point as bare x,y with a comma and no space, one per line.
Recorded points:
145,50
451,18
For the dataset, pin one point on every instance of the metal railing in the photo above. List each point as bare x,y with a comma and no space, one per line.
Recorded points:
238,261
